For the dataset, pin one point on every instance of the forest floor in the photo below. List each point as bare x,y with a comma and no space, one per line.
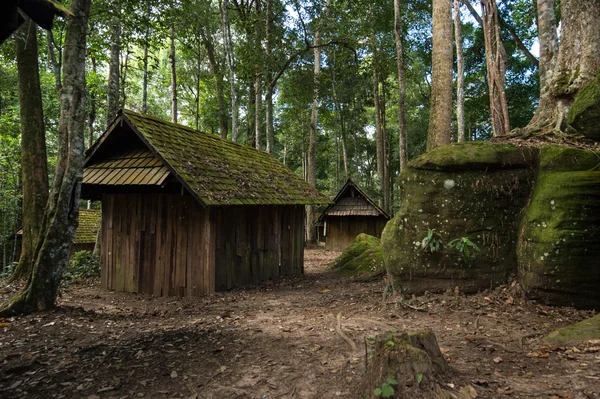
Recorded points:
279,340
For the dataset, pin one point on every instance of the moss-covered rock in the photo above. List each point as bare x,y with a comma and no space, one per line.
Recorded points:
584,115
362,259
583,331
474,190
411,363
558,251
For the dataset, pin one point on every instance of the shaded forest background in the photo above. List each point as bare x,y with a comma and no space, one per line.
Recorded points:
175,60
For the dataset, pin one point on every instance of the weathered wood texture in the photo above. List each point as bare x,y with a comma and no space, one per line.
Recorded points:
168,245
255,244
341,231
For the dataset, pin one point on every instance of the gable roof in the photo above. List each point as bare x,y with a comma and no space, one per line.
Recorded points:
346,203
215,171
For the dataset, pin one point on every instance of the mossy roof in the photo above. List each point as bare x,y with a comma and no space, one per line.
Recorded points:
89,222
214,170
352,201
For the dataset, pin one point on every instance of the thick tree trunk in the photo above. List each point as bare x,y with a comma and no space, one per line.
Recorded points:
460,96
56,67
93,111
548,39
379,135
173,75
231,65
34,170
114,67
563,75
402,147
440,119
495,58
60,219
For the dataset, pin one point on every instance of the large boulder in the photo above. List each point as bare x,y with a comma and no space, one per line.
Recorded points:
475,190
558,251
586,330
363,259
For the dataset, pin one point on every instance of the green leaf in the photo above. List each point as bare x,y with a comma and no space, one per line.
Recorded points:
377,392
391,381
386,390
419,378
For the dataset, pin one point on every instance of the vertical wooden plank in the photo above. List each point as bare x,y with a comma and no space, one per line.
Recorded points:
211,250
160,239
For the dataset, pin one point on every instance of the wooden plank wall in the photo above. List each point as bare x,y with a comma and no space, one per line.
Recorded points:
341,231
157,244
255,244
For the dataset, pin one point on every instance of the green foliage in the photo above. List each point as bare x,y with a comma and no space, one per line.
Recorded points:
464,246
386,389
83,264
432,242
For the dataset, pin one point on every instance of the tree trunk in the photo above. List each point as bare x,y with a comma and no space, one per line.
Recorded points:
146,47
56,67
379,134
460,96
92,115
60,219
495,58
548,39
231,65
440,119
269,91
114,67
173,75
311,235
209,46
34,170
402,147
258,79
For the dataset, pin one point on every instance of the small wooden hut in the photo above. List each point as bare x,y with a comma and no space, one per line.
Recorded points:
187,213
85,235
351,213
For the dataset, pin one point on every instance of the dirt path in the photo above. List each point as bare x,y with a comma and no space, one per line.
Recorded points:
278,340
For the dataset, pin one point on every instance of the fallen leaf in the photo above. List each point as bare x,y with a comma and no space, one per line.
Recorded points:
497,360
468,392
15,384
173,374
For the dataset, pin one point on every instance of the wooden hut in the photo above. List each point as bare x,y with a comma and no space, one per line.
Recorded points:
187,213
351,213
85,235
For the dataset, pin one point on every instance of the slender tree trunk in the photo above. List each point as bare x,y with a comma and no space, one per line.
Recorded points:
402,147
33,145
114,67
339,109
258,78
311,236
250,118
146,48
61,216
460,96
92,115
231,65
440,119
207,41
56,67
495,57
173,74
267,68
379,133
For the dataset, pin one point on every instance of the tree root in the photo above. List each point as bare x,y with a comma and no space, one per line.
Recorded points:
338,329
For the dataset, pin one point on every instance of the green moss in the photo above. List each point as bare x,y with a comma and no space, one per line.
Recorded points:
475,155
585,330
483,205
584,114
559,259
363,258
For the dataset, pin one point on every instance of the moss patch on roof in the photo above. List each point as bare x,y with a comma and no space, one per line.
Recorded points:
89,221
221,172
